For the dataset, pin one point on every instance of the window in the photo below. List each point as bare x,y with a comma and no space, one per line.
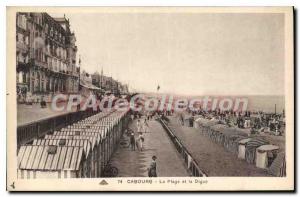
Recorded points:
62,142
36,54
49,62
21,21
46,28
27,40
20,77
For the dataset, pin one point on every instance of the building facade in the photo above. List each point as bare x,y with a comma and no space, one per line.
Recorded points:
45,56
109,84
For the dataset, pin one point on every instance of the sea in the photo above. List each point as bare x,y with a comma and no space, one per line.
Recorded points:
265,103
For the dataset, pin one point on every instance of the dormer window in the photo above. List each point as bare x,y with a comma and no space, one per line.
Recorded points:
62,142
52,150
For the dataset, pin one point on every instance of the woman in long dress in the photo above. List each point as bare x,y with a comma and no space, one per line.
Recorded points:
140,141
152,169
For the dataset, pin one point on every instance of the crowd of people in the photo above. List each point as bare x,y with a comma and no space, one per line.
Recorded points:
141,128
137,142
257,121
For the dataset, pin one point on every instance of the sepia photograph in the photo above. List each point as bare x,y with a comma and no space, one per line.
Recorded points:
150,99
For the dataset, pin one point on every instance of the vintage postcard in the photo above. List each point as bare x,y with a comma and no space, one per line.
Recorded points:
150,99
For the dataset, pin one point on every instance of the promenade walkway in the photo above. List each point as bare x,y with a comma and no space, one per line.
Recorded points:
31,113
135,163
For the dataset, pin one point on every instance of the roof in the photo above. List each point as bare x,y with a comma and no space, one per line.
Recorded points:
88,85
256,142
32,157
99,134
268,147
91,138
86,144
276,140
244,141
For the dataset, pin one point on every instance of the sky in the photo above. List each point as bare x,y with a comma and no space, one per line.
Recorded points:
185,53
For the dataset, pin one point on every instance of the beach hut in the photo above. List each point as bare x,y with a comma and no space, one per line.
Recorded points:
85,143
198,122
278,166
217,133
251,146
195,123
242,148
265,155
188,120
78,150
95,162
232,142
207,127
51,161
232,136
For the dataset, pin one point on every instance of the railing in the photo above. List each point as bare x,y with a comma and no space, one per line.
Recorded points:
37,129
190,162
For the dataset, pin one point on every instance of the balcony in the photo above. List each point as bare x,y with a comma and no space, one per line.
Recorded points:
39,63
47,52
22,60
43,64
22,47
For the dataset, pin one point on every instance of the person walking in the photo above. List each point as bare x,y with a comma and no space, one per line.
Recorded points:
140,141
145,126
152,169
132,141
138,125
